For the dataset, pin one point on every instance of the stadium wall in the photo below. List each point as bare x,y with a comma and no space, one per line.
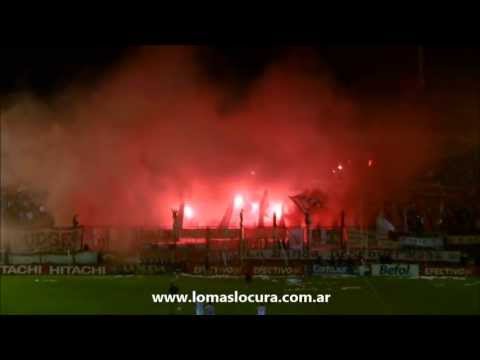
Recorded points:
268,269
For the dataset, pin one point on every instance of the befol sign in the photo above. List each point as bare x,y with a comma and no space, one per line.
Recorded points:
396,270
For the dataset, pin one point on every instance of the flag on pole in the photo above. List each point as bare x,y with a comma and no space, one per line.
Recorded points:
383,227
227,217
263,209
309,200
282,219
180,216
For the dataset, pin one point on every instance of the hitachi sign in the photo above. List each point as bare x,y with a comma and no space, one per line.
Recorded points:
20,269
76,270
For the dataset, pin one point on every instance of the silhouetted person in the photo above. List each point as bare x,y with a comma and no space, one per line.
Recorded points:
173,288
75,221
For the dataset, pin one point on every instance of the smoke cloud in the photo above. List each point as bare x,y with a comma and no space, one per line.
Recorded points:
152,134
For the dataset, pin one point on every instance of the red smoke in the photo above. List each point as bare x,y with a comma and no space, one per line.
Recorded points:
150,136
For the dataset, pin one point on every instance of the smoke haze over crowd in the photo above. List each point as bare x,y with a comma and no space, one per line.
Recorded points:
157,130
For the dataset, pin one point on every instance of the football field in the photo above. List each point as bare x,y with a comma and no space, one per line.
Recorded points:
133,295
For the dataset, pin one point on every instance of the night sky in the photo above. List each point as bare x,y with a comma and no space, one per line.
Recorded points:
358,69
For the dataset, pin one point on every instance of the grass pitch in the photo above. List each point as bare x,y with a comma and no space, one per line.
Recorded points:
133,295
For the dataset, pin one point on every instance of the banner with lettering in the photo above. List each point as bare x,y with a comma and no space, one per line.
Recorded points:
278,270
447,271
217,270
463,240
42,240
52,270
433,243
396,255
396,270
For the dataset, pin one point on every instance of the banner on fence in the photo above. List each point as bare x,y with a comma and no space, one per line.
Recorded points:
75,270
52,270
463,240
21,270
86,258
217,270
447,271
81,258
395,255
42,240
138,269
278,270
396,270
332,270
275,254
25,259
432,243
59,259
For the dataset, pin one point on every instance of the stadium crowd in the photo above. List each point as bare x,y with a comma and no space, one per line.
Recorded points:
23,208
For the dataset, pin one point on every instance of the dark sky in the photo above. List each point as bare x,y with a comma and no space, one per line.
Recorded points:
371,69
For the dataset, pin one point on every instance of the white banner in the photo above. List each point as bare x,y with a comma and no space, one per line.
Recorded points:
434,243
56,259
86,257
83,258
396,255
24,259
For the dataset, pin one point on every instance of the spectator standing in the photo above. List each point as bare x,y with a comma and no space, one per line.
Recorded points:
209,309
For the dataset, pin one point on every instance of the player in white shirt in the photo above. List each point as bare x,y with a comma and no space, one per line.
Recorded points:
199,309
262,309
